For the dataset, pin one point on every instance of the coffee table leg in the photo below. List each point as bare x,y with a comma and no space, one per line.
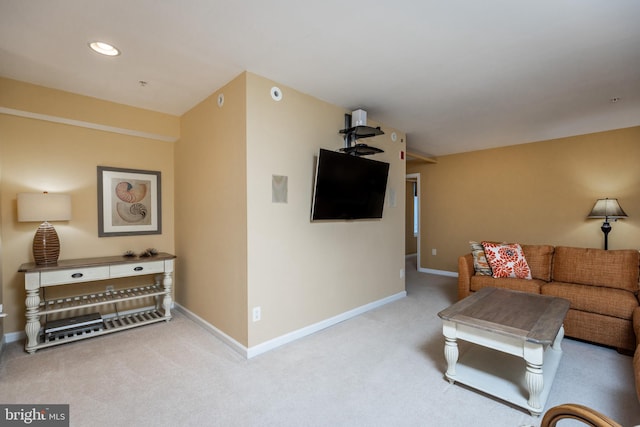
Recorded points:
451,351
556,343
533,355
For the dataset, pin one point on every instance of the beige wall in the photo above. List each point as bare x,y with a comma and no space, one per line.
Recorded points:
42,155
531,193
300,272
240,250
211,211
35,99
236,250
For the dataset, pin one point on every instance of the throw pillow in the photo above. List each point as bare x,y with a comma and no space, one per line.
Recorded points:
480,263
507,260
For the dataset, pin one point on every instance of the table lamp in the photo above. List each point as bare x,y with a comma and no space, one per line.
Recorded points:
44,207
607,208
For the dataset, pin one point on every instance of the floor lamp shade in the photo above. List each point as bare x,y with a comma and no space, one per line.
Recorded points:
607,208
44,207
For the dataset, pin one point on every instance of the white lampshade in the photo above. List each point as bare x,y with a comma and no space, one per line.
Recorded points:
38,207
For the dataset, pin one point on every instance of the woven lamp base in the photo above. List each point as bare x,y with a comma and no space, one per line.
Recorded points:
46,245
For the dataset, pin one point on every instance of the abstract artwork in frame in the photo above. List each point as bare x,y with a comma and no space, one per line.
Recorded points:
129,202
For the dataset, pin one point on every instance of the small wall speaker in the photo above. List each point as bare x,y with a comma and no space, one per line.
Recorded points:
279,188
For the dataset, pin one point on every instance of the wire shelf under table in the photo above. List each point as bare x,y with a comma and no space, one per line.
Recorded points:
110,324
99,298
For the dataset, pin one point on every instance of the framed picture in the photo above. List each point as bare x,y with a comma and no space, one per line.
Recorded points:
129,202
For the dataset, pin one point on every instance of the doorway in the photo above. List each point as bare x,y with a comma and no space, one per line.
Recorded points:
412,219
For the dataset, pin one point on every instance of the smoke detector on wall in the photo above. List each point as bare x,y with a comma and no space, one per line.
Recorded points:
276,93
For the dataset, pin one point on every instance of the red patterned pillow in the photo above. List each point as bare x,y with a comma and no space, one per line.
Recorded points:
507,260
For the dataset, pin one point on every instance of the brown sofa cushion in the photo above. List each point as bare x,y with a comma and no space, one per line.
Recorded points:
594,299
524,285
605,330
539,259
597,267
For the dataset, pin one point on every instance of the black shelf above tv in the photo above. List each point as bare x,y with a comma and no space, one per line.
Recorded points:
358,132
361,150
354,133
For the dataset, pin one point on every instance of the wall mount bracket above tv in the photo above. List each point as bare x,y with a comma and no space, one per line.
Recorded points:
354,133
361,150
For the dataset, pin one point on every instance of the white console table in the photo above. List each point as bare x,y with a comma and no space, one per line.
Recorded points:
67,272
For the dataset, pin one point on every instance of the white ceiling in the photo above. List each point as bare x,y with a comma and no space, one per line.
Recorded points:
455,75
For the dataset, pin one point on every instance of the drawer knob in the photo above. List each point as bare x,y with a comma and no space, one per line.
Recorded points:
77,275
138,269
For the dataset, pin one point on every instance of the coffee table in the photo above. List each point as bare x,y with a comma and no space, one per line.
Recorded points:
505,327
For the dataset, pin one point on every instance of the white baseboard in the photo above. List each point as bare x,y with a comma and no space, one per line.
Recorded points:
260,348
215,331
14,336
308,330
438,272
3,344
9,338
291,336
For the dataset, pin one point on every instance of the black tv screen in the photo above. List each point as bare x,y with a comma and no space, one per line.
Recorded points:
348,187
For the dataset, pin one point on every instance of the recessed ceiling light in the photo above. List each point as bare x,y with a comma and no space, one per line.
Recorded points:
104,48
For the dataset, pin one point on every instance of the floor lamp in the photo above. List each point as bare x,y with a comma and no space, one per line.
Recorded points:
607,209
44,207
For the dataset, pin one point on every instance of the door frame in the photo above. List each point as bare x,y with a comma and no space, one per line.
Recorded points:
411,177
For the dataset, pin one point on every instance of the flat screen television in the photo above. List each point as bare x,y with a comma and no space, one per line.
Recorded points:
348,187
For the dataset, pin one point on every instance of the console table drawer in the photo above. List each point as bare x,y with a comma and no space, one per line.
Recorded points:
126,270
59,277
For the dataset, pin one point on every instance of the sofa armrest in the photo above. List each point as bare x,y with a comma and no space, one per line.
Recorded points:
465,271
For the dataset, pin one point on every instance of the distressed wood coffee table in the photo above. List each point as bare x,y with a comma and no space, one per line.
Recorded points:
507,327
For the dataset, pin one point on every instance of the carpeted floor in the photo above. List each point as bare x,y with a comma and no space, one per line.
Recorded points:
383,368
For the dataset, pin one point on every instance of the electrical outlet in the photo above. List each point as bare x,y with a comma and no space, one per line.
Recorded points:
257,314
402,273
434,252
110,288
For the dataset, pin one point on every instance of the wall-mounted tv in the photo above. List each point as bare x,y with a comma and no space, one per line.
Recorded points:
348,187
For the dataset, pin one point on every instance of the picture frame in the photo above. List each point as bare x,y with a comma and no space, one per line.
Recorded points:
129,202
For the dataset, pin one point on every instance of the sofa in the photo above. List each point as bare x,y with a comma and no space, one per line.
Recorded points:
636,356
602,287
